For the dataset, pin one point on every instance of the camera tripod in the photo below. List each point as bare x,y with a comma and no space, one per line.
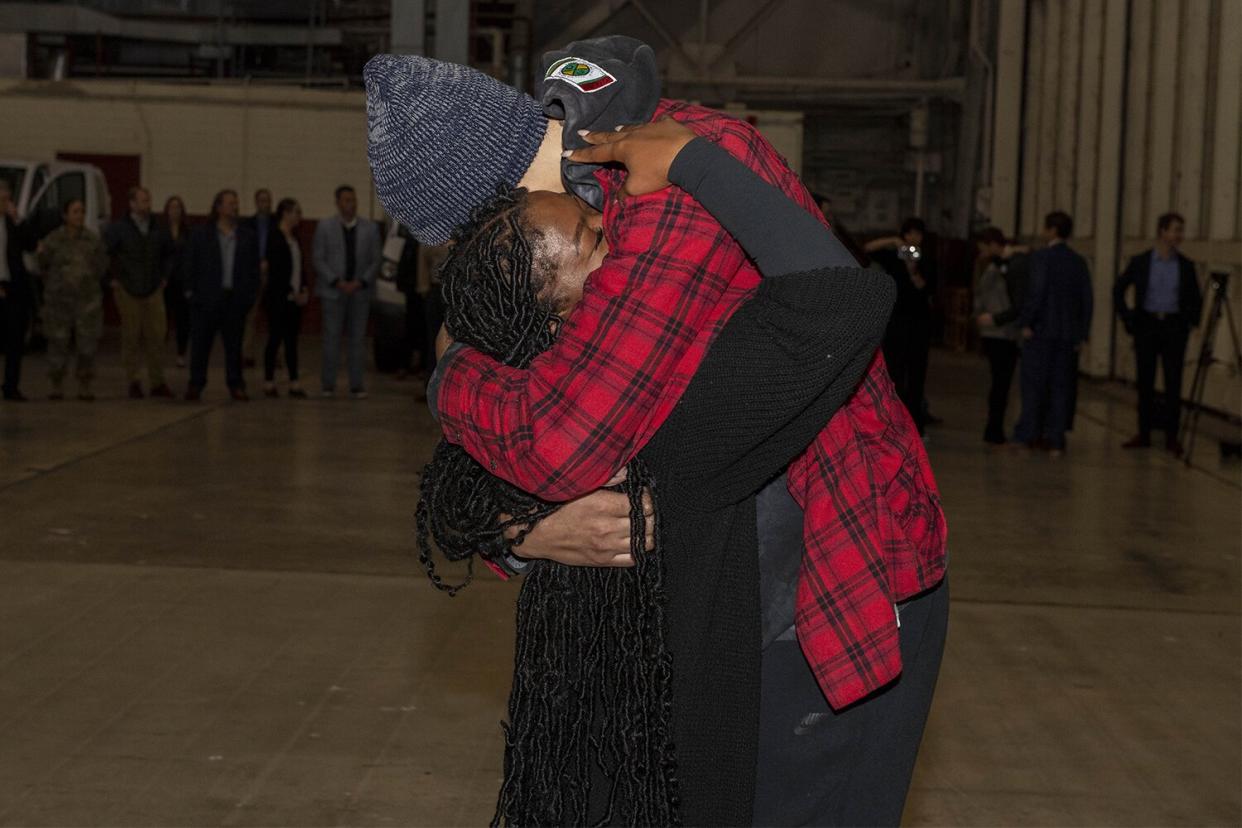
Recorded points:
1218,284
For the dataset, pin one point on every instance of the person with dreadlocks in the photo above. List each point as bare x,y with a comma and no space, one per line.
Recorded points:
844,539
592,669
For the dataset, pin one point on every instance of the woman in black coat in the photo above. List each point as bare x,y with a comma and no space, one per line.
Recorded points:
175,244
284,297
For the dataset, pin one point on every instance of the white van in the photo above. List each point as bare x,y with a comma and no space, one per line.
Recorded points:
41,188
40,191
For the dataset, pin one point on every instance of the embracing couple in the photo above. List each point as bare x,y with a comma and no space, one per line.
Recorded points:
663,407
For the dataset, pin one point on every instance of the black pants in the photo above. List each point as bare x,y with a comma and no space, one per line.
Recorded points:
1163,340
15,317
1048,380
1002,357
178,309
907,343
1073,391
284,322
228,318
414,335
433,318
820,767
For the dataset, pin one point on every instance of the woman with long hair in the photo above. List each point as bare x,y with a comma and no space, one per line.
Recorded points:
600,712
175,229
284,297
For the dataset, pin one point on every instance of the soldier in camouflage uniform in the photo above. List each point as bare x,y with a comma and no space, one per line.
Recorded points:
72,261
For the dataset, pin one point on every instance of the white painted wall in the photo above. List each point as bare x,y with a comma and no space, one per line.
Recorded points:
196,140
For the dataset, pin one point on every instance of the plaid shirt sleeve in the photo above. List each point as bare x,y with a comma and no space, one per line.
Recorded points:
563,426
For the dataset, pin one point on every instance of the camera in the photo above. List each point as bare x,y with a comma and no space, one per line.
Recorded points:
909,253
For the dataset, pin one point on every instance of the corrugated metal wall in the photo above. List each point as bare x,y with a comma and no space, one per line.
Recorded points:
1131,108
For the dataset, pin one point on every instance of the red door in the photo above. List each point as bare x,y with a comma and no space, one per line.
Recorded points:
122,172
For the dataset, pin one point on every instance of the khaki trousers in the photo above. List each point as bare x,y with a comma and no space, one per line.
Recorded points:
143,328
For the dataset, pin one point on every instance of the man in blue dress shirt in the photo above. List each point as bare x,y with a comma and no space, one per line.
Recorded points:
1167,304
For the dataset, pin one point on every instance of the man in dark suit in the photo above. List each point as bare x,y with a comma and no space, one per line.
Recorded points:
261,224
223,285
1056,320
16,292
1167,304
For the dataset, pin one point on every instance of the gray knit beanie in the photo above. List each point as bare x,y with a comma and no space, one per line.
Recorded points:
441,136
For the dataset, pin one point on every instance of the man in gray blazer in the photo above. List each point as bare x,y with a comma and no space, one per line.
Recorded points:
347,261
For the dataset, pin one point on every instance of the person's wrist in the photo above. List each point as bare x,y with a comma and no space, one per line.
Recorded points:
691,163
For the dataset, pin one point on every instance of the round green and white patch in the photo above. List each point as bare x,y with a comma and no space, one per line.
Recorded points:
587,76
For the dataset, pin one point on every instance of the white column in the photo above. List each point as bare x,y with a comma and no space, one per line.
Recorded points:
1067,101
408,27
453,31
1050,114
1162,154
1032,127
1137,121
1192,116
1099,356
1226,144
1007,115
1086,165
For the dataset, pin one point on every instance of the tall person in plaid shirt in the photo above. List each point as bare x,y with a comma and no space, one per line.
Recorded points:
871,526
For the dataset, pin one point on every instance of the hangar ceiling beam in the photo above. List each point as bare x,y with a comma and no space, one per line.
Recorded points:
63,19
592,17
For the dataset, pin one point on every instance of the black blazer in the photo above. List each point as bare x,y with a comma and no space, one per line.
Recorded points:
279,268
206,270
22,238
1059,301
1137,273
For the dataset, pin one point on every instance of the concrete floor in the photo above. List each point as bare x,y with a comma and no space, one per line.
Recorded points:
209,615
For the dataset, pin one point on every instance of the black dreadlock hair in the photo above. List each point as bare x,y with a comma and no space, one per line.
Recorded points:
589,736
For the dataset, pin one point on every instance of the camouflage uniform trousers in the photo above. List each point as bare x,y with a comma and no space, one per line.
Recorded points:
72,313
72,263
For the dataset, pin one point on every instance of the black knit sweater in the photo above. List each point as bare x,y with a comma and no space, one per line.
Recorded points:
774,376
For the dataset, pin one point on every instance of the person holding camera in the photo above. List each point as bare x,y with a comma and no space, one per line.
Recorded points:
907,341
1167,304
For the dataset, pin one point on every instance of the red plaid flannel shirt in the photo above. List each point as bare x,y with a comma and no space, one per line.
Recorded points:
874,531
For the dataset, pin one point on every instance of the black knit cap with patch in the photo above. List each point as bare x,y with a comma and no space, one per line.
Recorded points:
598,85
